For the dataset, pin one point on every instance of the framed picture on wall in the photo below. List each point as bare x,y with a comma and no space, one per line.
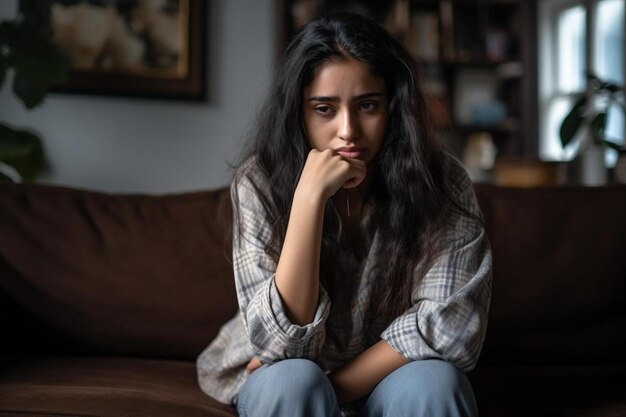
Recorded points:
130,47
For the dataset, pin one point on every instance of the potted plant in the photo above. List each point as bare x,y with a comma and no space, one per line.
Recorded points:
28,53
587,121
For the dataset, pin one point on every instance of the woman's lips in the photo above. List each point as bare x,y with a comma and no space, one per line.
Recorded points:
352,153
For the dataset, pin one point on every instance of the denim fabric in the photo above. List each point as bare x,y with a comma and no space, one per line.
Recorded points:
428,388
299,388
289,388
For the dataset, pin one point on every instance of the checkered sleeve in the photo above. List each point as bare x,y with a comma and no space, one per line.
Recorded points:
448,317
272,335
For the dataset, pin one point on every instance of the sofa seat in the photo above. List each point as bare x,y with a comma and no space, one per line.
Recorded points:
110,386
551,391
103,387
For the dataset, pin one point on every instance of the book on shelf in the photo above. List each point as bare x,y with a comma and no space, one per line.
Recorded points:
447,30
423,38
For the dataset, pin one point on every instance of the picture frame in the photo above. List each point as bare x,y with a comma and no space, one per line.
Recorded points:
129,47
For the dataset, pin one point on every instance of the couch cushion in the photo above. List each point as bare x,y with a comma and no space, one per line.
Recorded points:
87,272
580,391
559,274
103,387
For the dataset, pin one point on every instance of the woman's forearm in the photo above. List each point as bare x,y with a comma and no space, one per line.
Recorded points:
359,377
297,273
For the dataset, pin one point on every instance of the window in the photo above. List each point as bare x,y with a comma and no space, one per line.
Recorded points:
574,36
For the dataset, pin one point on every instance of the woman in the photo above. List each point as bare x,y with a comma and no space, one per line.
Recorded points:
361,264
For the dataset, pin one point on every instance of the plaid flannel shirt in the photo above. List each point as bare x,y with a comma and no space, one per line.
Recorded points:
447,319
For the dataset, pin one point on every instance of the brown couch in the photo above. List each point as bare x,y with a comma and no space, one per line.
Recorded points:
106,300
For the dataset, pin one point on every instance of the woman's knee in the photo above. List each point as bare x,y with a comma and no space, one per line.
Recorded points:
427,387
438,378
289,387
295,375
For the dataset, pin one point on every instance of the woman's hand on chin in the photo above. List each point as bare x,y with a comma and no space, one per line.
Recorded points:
325,172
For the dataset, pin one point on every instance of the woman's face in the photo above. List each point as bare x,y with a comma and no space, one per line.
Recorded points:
345,109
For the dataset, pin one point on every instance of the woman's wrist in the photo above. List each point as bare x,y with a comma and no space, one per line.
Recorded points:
358,377
341,392
309,196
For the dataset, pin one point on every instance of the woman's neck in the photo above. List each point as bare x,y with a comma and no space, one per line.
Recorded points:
349,202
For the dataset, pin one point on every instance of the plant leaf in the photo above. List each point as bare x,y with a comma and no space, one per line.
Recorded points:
2,77
11,147
572,121
612,88
594,80
5,178
31,165
31,91
38,61
7,32
613,145
3,69
21,150
597,126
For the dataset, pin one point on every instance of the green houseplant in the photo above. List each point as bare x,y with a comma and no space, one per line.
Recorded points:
592,110
587,121
28,53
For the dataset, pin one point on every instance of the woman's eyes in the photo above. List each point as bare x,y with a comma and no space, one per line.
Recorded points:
323,110
367,106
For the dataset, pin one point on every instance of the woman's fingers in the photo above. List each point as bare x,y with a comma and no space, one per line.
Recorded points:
254,364
327,172
357,173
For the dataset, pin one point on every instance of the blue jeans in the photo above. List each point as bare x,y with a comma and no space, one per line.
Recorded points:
299,388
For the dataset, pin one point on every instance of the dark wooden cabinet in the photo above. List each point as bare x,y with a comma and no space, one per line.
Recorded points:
477,59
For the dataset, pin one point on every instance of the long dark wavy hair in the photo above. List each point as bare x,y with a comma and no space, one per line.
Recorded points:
410,192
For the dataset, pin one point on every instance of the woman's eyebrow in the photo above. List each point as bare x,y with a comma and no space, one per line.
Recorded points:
335,98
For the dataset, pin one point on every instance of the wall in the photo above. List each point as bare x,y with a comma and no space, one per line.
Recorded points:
151,146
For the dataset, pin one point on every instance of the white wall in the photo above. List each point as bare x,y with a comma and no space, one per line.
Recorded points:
118,144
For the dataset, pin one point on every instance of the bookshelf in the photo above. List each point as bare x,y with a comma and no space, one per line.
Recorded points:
477,59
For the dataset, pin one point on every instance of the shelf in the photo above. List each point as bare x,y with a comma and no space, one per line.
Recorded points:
476,3
478,63
505,128
481,2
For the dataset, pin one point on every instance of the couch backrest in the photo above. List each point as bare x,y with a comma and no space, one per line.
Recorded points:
559,282
91,273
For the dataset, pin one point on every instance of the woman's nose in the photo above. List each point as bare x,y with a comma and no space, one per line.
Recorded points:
348,128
